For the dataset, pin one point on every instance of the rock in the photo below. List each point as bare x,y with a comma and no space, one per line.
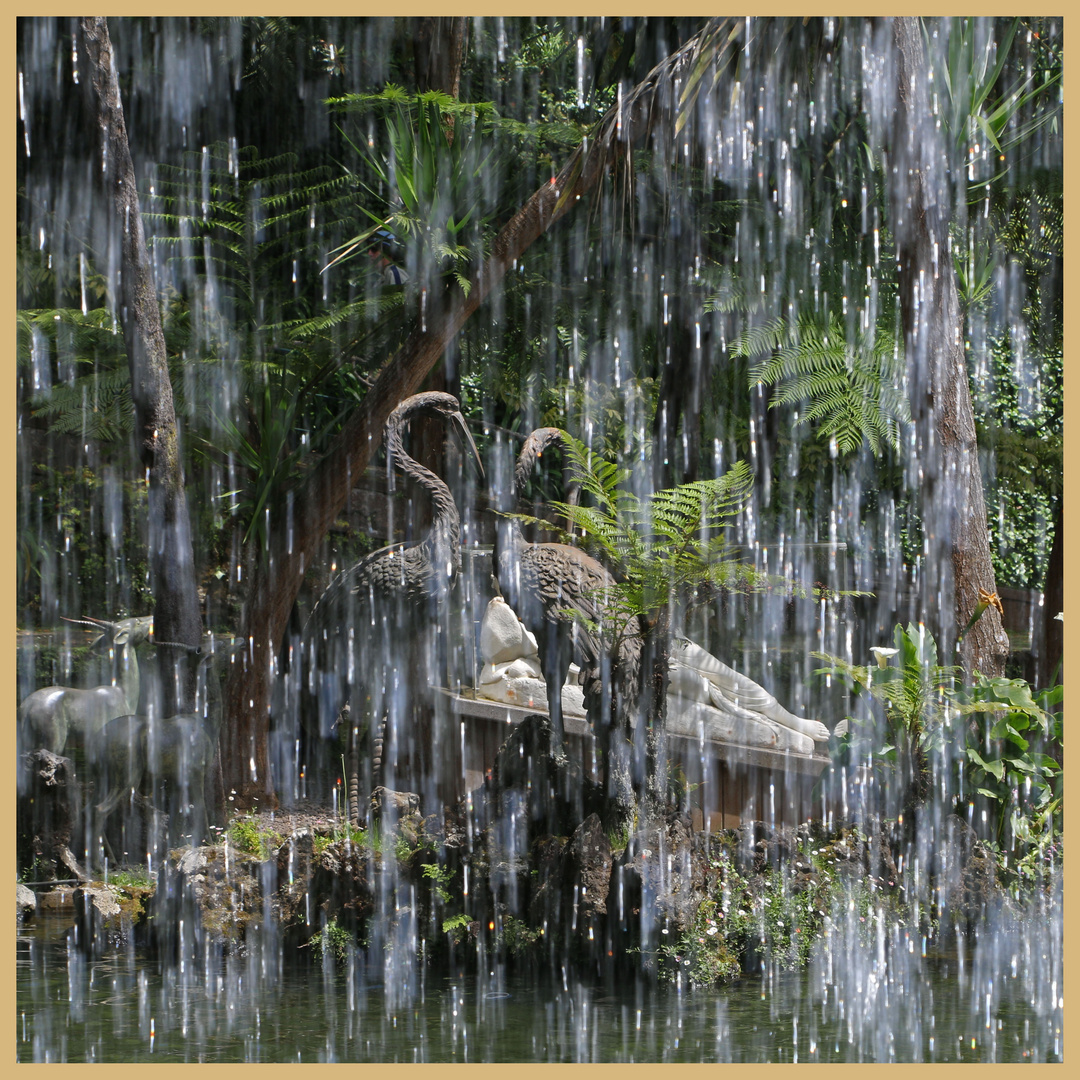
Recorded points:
342,885
751,838
58,899
658,883
25,901
546,859
981,892
214,892
393,805
70,863
99,918
955,848
588,867
573,879
49,797
549,789
296,857
194,860
967,875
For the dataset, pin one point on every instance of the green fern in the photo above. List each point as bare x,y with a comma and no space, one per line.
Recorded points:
250,217
1034,227
663,548
852,389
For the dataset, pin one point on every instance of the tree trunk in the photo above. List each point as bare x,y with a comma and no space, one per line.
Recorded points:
438,51
1052,640
172,564
957,562
300,521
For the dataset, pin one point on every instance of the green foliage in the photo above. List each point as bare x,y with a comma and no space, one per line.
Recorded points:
973,106
268,447
853,389
564,110
344,832
1021,424
131,878
704,955
911,689
61,523
247,834
256,222
744,916
456,926
517,937
1007,762
1003,739
663,546
440,876
431,184
332,940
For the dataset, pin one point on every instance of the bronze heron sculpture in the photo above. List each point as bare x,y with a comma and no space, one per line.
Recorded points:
379,607
559,592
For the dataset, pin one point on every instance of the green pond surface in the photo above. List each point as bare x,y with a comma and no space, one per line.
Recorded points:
127,1007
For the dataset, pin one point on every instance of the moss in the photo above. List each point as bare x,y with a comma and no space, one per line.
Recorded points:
250,837
133,901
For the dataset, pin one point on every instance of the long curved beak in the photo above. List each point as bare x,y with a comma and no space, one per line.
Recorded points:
466,434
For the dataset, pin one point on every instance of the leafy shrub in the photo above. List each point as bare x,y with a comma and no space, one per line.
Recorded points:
332,939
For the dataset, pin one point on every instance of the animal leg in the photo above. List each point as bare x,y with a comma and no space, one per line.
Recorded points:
558,648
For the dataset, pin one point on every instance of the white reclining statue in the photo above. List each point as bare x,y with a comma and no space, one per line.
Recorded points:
511,671
706,698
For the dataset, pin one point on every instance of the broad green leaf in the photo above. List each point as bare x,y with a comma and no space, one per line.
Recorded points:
994,768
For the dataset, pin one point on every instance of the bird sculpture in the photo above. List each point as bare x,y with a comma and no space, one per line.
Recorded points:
558,592
366,627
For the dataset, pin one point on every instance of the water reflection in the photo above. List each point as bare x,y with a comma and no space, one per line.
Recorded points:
125,1007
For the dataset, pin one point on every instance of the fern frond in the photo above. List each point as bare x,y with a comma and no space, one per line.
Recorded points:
852,388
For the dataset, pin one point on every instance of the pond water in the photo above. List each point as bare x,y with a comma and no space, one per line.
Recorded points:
123,1007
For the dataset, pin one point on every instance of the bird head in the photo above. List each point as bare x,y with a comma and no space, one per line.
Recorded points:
446,406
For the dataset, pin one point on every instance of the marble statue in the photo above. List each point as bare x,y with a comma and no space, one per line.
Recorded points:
706,698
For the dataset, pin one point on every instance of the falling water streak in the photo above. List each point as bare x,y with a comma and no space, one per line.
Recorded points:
761,112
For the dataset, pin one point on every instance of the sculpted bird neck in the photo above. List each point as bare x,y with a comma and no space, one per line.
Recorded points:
445,532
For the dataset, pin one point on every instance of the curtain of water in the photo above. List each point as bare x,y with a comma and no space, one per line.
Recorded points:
623,324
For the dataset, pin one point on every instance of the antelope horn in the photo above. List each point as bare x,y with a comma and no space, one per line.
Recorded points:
87,620
178,645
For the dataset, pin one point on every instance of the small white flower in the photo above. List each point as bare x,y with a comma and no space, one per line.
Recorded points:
664,931
711,930
882,655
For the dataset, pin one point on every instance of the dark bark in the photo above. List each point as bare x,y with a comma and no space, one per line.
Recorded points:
1052,643
172,565
953,512
682,374
438,50
301,520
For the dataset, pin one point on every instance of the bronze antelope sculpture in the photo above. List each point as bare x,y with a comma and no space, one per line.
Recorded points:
54,716
175,752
